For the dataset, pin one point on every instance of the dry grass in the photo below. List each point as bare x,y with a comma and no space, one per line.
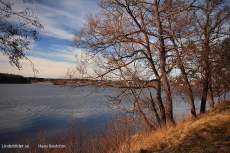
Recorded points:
210,132
77,139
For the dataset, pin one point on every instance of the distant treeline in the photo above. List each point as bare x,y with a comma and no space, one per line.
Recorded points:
13,78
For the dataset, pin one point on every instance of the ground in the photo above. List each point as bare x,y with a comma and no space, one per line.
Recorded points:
208,133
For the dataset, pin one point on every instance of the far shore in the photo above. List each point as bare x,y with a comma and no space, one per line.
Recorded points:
41,83
30,83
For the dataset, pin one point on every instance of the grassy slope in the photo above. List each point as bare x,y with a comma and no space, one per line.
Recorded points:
210,132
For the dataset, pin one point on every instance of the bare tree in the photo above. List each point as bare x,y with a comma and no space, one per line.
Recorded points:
129,41
178,28
16,36
220,76
211,25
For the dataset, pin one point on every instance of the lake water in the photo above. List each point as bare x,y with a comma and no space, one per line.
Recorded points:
26,109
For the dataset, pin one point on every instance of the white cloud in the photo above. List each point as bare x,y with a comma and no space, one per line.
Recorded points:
47,68
59,54
60,17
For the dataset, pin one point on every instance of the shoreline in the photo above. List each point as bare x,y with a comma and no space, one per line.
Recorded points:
41,83
31,83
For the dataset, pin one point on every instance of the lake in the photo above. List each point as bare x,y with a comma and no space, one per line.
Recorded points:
26,109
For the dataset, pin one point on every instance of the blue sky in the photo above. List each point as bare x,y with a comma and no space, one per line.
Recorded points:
51,55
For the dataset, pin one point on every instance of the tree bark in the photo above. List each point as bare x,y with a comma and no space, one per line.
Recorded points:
165,84
210,98
204,98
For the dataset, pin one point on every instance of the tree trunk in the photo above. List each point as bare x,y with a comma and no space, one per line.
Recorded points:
158,94
210,98
168,100
188,86
165,84
190,99
160,103
154,109
204,96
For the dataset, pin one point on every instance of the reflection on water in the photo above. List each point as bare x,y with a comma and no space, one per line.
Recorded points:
26,109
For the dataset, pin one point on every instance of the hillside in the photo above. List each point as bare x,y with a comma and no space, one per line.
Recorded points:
210,132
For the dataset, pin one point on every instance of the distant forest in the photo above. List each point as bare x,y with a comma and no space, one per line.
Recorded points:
13,78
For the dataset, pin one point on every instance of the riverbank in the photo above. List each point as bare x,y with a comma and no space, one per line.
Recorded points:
210,132
41,83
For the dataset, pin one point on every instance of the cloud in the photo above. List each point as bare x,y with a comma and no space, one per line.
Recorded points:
47,68
59,17
57,53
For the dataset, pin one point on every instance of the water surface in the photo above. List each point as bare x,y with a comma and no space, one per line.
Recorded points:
26,109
